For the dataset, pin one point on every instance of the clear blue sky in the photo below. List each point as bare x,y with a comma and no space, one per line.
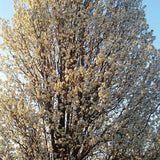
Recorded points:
152,11
152,15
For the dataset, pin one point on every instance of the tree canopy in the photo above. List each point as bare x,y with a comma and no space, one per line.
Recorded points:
82,82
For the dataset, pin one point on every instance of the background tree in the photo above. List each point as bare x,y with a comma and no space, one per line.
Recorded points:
82,81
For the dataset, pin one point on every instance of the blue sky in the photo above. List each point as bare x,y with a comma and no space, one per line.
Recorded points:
152,11
152,15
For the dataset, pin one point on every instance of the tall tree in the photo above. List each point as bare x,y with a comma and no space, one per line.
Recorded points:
81,81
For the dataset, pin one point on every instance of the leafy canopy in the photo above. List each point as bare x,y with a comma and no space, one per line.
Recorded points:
82,81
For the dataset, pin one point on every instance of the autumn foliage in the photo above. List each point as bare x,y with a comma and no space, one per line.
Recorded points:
81,82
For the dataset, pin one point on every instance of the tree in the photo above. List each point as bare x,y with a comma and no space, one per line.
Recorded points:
81,81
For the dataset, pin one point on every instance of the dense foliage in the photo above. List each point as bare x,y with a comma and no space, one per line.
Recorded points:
81,82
